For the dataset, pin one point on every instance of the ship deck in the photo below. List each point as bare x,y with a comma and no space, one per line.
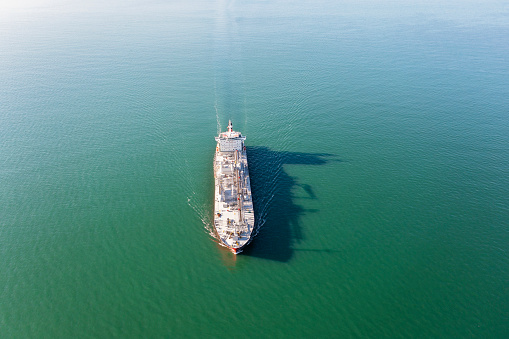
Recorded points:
233,205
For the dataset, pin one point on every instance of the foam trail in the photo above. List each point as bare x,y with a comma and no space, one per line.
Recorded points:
215,107
202,214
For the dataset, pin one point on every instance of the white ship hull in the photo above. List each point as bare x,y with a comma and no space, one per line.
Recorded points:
233,203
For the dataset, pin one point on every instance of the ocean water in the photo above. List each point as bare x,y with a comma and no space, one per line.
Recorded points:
378,140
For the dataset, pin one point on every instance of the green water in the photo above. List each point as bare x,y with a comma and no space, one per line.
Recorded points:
378,140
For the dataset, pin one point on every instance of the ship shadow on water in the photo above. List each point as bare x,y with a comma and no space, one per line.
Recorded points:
277,214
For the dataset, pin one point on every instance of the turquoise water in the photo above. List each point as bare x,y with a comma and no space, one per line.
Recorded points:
378,139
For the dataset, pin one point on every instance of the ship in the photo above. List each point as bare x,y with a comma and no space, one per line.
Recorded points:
234,219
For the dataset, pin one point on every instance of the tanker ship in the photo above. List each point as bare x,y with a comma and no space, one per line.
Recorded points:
233,203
